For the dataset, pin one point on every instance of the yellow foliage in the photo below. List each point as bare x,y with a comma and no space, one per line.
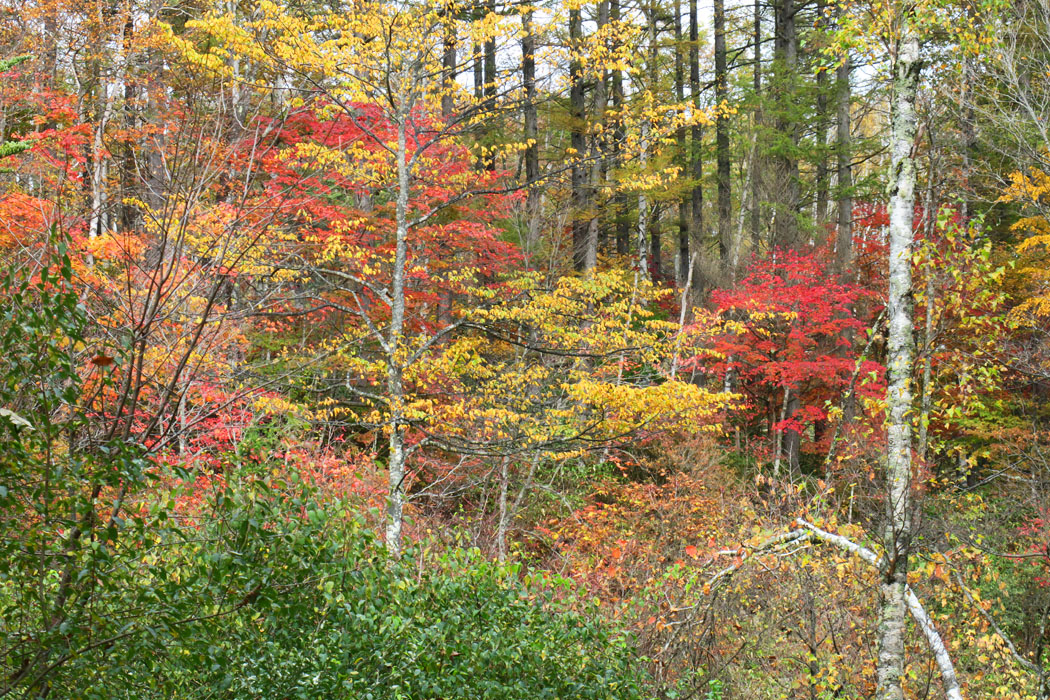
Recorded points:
1032,190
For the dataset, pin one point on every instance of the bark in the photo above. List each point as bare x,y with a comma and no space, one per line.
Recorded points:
787,171
448,63
643,211
623,234
820,205
949,678
900,351
531,129
590,259
725,208
395,341
844,169
756,183
929,219
655,243
820,209
578,141
504,513
792,438
696,169
490,70
685,203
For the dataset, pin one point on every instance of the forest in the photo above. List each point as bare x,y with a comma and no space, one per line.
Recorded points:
524,349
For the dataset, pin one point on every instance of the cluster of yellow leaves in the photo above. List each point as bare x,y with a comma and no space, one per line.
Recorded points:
1032,189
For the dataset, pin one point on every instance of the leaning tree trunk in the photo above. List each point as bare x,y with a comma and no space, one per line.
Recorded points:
897,531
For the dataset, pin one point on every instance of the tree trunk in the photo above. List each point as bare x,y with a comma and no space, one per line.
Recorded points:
448,63
531,130
820,208
844,170
787,186
655,244
578,141
756,181
504,514
590,258
725,206
685,203
929,221
696,170
490,72
623,234
395,370
900,351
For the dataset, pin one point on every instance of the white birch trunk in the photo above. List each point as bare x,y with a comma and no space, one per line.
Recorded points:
395,370
897,532
643,209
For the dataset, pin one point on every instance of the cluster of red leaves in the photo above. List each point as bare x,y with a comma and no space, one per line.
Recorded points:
791,325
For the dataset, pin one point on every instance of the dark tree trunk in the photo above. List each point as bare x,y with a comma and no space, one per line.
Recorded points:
531,129
655,247
820,209
787,185
696,169
725,206
578,141
756,170
685,203
844,170
623,236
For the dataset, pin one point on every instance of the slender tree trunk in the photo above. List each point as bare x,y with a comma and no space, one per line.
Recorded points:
623,234
929,221
820,208
478,66
578,141
787,187
725,205
696,170
531,129
448,64
778,441
756,175
844,170
395,340
590,258
792,438
655,243
685,203
490,69
643,208
900,356
620,200
504,514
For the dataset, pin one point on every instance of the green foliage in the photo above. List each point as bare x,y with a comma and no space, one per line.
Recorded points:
122,578
359,625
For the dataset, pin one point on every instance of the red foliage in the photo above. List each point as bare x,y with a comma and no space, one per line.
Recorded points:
790,326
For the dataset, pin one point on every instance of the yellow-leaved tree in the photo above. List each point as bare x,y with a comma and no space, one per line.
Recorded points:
1032,191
